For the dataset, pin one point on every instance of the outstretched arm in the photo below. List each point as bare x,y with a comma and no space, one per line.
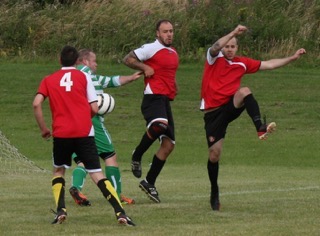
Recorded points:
117,80
276,63
133,62
125,79
220,43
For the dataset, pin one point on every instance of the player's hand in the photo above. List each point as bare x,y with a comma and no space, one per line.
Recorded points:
136,75
148,71
46,133
300,52
240,29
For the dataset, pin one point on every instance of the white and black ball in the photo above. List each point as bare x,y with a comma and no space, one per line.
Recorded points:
105,103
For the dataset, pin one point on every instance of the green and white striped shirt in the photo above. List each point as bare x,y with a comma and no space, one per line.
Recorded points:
100,81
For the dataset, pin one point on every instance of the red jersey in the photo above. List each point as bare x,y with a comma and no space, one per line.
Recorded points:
164,61
69,91
222,78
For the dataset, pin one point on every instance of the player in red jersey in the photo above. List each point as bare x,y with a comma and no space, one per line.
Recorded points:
159,62
223,100
73,101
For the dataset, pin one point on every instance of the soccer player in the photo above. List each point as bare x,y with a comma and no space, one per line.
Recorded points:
87,63
223,100
73,102
159,62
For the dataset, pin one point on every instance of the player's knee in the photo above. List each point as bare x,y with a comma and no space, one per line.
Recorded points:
245,91
168,149
157,129
214,155
215,152
171,147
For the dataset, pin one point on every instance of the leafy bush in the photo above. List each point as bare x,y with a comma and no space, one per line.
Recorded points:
39,28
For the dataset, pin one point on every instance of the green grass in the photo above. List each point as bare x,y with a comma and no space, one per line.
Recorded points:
267,188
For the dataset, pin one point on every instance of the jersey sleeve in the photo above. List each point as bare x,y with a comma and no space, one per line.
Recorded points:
109,81
43,88
146,51
91,92
252,65
211,60
141,53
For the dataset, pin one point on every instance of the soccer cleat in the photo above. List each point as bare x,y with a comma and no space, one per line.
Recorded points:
60,216
123,219
126,200
150,190
214,201
265,129
136,168
78,197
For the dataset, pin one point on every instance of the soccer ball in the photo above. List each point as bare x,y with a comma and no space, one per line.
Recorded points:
105,103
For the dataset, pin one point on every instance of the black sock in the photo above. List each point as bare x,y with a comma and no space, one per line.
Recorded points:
110,194
154,170
253,110
143,146
58,188
213,171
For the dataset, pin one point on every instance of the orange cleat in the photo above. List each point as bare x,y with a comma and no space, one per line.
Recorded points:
78,197
126,200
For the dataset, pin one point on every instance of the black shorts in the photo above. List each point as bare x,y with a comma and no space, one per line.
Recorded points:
156,108
84,148
217,121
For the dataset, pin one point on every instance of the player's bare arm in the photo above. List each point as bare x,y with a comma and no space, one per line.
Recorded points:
94,108
133,62
276,63
125,79
37,109
220,43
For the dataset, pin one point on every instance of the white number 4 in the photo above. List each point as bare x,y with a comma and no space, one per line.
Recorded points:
66,81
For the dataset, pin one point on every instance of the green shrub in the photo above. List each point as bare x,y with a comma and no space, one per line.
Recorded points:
39,28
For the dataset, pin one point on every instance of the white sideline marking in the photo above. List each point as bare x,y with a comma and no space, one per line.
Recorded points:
271,190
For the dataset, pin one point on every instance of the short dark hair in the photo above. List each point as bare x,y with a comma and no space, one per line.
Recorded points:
162,21
68,56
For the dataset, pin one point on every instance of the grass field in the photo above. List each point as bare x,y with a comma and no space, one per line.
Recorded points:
267,188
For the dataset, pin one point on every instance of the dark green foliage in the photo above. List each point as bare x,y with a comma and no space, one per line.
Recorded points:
39,28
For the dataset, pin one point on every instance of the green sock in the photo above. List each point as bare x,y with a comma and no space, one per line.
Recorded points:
113,175
78,177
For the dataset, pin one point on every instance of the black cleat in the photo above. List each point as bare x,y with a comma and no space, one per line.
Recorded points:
123,219
60,216
136,168
150,190
214,201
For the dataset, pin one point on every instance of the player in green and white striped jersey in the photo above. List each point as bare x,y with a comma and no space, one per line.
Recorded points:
87,63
